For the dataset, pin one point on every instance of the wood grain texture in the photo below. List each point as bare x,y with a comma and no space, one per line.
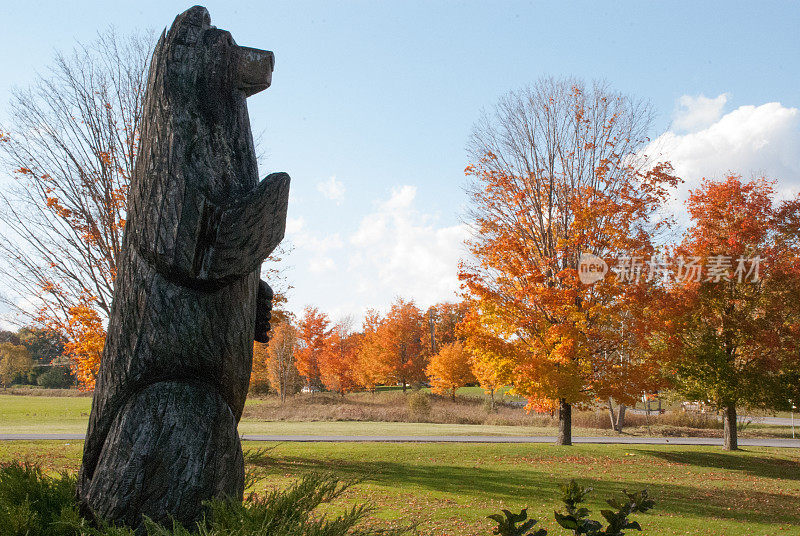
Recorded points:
187,299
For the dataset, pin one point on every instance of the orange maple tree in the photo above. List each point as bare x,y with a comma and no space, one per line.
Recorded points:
486,376
312,335
368,367
282,372
259,374
338,359
86,336
449,369
538,204
402,353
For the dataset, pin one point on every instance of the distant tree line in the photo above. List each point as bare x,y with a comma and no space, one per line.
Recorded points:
406,347
33,356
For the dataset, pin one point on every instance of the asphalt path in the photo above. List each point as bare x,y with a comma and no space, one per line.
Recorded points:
787,443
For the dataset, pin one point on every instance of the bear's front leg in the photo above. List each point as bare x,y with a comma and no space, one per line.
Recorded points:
263,311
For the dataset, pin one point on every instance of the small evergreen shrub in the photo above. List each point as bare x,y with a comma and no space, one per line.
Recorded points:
35,504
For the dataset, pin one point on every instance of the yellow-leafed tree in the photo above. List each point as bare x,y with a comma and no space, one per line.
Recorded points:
450,369
14,359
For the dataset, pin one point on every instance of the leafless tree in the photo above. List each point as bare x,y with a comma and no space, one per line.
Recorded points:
70,146
537,140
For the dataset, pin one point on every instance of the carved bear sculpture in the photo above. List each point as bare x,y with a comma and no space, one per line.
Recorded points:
188,302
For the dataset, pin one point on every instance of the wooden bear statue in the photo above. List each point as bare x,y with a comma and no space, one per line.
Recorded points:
188,301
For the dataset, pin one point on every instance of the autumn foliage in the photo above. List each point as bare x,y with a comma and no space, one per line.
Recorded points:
312,335
450,369
86,337
337,359
281,362
400,334
368,369
14,359
71,147
538,204
390,349
733,324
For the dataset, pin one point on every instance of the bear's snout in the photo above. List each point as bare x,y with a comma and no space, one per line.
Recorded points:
254,70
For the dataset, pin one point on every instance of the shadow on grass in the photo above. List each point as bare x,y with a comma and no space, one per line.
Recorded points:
529,486
762,466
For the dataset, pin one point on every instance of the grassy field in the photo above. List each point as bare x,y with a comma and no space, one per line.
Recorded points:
449,489
365,414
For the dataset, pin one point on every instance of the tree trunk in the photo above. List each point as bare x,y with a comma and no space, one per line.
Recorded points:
611,415
404,386
621,418
453,395
171,388
564,423
729,432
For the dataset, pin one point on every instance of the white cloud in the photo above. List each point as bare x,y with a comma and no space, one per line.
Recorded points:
401,252
304,239
316,247
319,265
294,226
694,113
750,141
332,189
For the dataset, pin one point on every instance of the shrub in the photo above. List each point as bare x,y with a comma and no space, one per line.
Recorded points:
34,504
507,526
577,519
419,404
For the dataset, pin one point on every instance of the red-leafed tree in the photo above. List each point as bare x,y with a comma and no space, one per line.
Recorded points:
312,335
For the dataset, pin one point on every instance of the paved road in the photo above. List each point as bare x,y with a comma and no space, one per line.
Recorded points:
790,443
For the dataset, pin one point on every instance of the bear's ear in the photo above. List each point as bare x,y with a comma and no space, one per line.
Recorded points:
189,25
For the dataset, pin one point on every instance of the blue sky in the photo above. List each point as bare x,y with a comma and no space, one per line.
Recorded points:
372,104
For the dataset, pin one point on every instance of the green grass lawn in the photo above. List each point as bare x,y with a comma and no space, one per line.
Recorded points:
363,428
449,489
39,414
42,414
